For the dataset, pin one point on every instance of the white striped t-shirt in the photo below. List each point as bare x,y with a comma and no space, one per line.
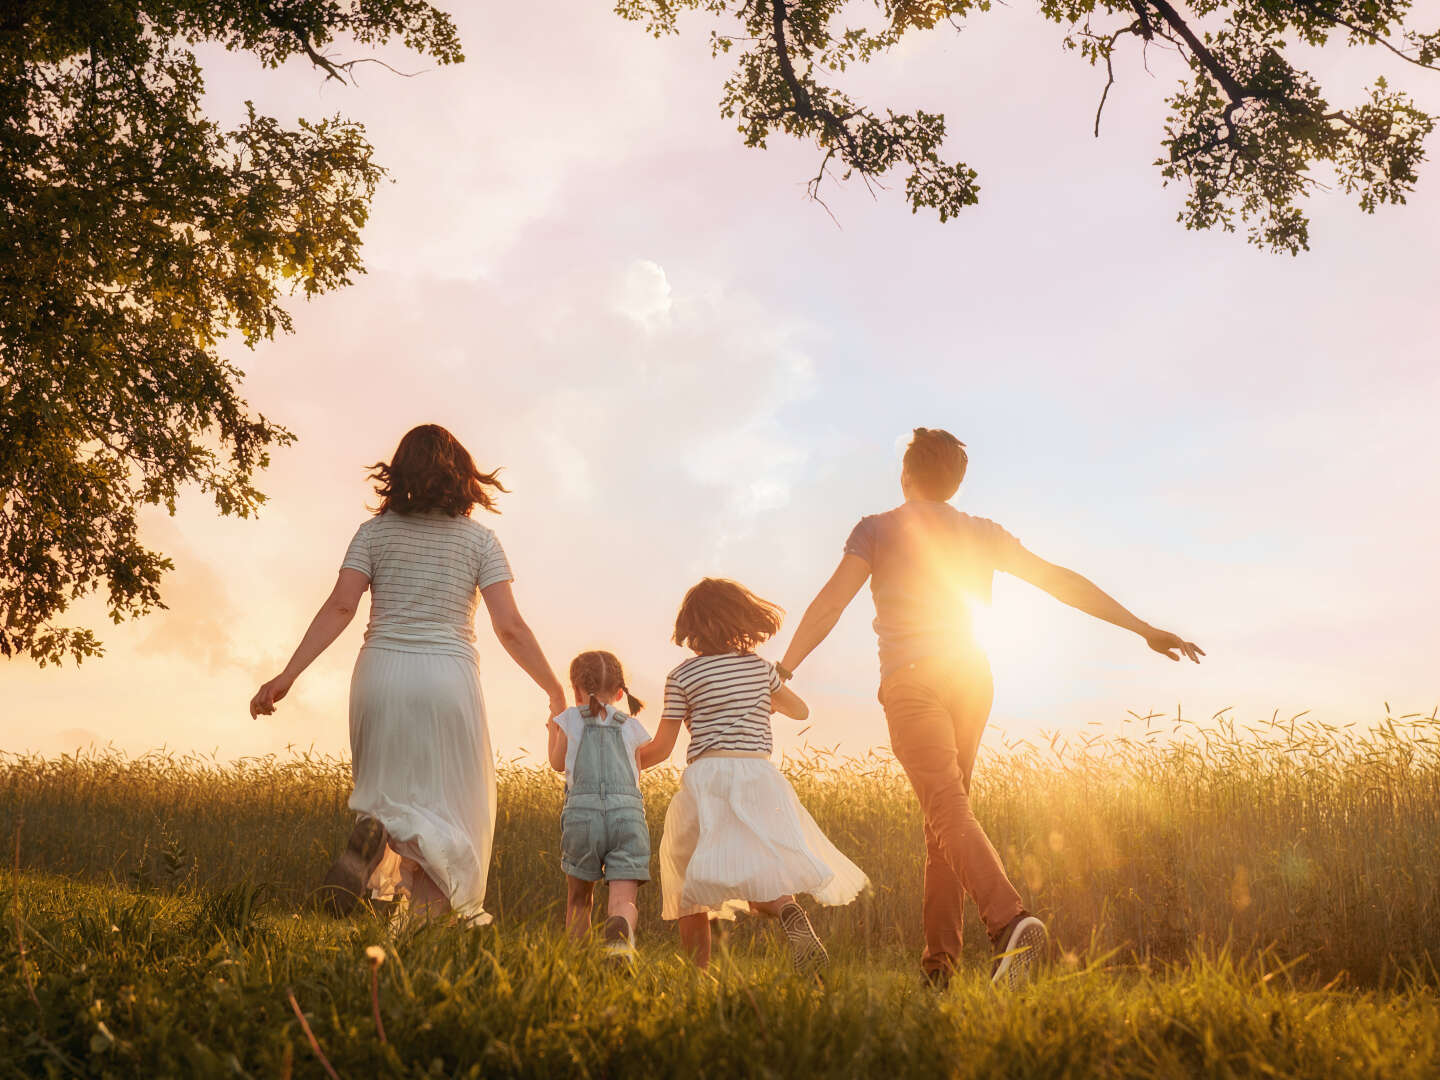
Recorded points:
425,574
724,701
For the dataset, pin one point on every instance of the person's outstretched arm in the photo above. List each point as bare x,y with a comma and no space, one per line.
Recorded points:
1084,595
825,610
519,641
334,615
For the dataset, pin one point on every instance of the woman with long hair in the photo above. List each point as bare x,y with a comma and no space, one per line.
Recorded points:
420,747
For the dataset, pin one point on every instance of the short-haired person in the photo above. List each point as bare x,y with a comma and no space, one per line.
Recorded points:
926,563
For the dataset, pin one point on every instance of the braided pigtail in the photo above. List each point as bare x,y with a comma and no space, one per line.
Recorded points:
597,708
633,704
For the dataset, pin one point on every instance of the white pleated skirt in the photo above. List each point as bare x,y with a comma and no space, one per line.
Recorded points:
736,832
421,760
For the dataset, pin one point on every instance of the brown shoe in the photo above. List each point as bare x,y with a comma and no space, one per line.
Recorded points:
346,878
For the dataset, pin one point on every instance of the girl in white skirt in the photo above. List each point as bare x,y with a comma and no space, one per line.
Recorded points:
420,747
736,837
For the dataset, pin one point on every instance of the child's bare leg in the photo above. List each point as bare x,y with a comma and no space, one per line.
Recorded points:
621,901
695,937
577,905
771,908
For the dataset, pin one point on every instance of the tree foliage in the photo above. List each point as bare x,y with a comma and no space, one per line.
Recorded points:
1247,128
138,237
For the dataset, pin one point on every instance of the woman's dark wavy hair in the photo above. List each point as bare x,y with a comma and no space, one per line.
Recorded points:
720,616
431,470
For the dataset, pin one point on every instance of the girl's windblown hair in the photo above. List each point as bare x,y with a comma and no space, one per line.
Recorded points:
431,470
720,616
599,675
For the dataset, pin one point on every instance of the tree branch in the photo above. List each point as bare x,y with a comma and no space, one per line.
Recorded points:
290,25
1368,34
1145,30
1107,46
787,71
1218,71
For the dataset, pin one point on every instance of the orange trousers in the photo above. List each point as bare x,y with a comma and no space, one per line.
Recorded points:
936,710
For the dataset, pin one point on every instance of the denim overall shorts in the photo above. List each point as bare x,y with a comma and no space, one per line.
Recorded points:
602,828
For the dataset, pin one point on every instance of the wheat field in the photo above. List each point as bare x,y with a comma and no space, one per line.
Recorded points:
1230,884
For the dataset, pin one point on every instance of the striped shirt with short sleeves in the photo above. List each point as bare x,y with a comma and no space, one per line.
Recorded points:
426,572
724,701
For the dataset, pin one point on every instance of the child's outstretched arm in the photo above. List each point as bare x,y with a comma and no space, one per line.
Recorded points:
658,749
559,743
788,703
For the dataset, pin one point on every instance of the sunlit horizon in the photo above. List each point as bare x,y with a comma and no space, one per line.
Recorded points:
686,368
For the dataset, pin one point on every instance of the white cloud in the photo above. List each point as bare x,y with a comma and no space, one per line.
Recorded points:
643,294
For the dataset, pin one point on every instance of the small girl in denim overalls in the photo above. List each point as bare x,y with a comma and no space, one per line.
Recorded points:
603,833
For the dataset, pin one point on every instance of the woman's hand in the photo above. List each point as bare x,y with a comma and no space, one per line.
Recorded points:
1172,645
334,615
263,703
557,704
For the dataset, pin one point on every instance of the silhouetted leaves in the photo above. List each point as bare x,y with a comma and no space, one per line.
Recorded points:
1245,133
137,236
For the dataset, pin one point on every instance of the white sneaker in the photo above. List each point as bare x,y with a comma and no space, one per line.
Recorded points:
1019,952
807,952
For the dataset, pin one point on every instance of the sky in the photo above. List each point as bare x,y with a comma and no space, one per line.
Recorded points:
686,368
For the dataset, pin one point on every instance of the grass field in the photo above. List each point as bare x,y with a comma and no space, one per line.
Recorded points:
1224,902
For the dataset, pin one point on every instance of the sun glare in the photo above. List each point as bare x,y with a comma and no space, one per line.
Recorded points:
982,621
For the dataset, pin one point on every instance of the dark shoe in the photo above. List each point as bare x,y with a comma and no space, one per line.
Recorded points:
1018,951
938,979
807,952
346,878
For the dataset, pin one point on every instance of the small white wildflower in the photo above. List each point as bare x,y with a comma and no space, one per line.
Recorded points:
376,954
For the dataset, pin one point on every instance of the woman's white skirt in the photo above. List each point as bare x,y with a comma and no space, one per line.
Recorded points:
420,755
735,832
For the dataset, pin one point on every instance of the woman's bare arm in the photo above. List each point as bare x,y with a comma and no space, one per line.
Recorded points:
332,618
517,639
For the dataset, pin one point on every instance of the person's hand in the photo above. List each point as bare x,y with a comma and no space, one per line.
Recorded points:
1172,646
263,703
557,705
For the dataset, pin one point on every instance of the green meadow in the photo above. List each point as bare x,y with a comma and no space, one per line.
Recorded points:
1224,901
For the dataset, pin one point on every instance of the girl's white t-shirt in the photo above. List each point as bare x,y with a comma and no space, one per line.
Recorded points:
572,723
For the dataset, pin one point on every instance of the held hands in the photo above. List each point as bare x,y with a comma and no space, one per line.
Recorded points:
263,703
1171,645
557,705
